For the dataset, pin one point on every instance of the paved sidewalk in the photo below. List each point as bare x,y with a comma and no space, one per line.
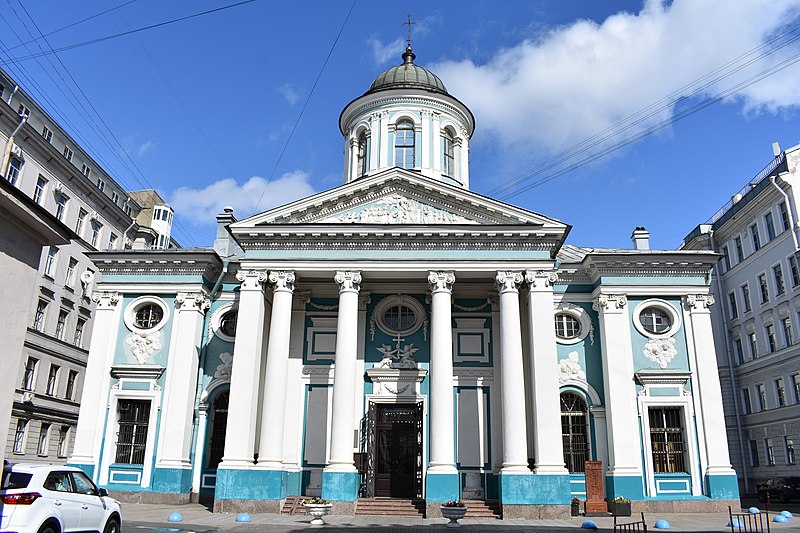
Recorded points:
196,518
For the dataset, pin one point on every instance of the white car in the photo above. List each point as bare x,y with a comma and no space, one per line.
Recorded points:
39,498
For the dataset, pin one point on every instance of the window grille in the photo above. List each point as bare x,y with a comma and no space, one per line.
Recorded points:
134,416
666,438
574,431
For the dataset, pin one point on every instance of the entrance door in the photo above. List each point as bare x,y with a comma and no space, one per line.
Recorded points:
396,450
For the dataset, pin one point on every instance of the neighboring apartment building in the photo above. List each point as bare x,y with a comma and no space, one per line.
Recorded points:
757,319
46,164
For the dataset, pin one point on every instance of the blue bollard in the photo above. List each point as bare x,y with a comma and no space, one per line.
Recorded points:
736,523
175,517
780,519
242,517
754,510
787,514
662,524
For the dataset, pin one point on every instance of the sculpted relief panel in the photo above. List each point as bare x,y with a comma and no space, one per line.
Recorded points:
397,209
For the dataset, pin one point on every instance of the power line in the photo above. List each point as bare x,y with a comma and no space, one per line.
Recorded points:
114,36
305,104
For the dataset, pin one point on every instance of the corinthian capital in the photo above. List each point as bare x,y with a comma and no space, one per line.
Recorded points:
441,281
192,301
698,302
609,302
348,281
251,279
106,299
282,280
507,281
540,278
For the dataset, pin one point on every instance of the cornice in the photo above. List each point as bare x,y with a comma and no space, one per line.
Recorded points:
145,263
379,100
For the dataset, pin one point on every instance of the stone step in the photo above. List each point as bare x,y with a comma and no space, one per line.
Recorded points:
483,508
390,507
293,505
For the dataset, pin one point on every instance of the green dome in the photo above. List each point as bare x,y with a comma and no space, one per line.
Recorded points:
407,75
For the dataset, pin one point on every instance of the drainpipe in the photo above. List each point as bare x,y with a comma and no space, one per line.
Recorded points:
10,96
789,210
9,144
731,374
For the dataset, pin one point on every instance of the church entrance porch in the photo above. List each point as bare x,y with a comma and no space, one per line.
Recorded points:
394,454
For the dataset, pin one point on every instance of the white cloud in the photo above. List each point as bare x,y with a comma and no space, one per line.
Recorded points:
134,147
291,94
561,87
195,205
383,52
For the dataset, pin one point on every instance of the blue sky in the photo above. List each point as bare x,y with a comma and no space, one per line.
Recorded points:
204,107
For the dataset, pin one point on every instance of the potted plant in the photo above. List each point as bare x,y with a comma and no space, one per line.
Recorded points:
620,506
454,511
317,508
575,507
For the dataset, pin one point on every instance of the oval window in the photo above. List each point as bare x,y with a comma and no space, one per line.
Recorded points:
655,320
567,326
399,318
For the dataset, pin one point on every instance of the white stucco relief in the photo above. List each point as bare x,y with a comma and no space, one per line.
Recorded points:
569,369
397,209
144,345
223,370
660,351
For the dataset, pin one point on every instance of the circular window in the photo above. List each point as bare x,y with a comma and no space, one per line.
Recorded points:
223,322
399,318
146,314
227,323
656,319
567,326
398,315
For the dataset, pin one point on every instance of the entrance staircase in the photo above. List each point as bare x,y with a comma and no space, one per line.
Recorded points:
390,507
483,509
293,505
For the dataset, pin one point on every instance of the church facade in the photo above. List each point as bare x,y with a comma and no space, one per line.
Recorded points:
401,336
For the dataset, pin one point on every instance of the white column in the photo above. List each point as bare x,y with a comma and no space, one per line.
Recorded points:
512,386
375,141
706,380
442,440
240,437
181,381
624,443
270,449
352,158
92,415
344,378
547,443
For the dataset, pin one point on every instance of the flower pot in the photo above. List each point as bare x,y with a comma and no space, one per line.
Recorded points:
619,508
317,511
454,514
575,509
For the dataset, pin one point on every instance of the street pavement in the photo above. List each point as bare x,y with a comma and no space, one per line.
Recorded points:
146,518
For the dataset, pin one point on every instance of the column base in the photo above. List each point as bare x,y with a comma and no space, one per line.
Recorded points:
340,486
250,484
723,487
442,487
532,489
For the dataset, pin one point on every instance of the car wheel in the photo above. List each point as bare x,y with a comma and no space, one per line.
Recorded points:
112,526
50,527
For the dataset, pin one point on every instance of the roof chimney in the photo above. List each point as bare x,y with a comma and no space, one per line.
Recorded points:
224,244
640,238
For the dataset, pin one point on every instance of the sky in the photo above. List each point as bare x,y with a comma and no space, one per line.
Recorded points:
604,115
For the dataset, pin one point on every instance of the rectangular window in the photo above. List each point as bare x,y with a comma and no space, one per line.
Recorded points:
14,168
86,170
777,273
115,197
47,134
23,111
756,238
63,441
784,216
50,262
101,184
796,385
795,270
81,221
29,375
746,297
739,249
746,406
753,345
44,438
780,392
61,206
788,336
666,437
762,285
127,209
737,343
770,452
70,279
71,379
726,258
734,311
19,436
96,227
754,453
68,153
79,327
770,223
771,342
39,316
134,416
788,442
762,397
112,241
61,325
38,192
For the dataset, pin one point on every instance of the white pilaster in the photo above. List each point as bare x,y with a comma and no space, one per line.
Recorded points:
344,380
91,419
436,132
547,443
240,438
273,411
441,374
707,384
384,145
512,386
352,153
624,444
427,137
463,167
181,380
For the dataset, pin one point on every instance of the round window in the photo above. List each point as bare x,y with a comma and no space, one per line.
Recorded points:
148,316
655,320
567,326
399,318
227,323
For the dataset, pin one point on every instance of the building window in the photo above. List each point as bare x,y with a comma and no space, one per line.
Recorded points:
448,155
2,90
87,172
19,436
61,206
771,342
39,316
81,221
29,375
47,134
796,384
788,337
68,153
746,407
567,326
784,216
655,320
726,258
794,270
770,223
399,318
23,111
574,431
148,316
134,416
770,452
70,279
780,392
80,325
746,297
127,208
754,453
71,378
112,241
96,227
404,144
50,262
666,438
61,324
732,305
101,184
777,273
227,324
753,345
361,154
737,343
756,237
44,438
762,285
739,249
788,442
63,441
38,191
14,168
762,397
